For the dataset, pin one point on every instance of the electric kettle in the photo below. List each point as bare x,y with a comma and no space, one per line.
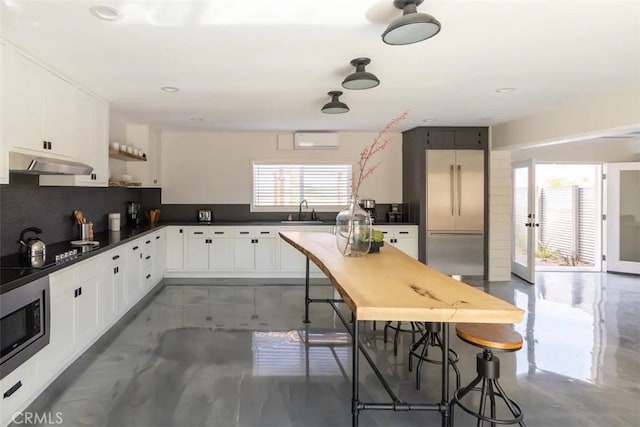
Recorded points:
32,249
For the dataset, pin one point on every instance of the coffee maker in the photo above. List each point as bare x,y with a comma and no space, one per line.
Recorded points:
369,205
133,213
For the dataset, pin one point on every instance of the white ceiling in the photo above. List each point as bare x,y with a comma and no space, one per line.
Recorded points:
267,64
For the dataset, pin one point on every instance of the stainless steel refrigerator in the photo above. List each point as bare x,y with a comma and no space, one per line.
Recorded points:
455,211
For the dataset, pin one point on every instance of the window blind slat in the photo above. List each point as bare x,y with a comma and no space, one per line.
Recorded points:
285,185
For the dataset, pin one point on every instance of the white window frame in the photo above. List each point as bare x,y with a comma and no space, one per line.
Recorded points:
291,208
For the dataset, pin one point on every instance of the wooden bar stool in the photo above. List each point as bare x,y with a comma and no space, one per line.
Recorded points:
489,337
431,338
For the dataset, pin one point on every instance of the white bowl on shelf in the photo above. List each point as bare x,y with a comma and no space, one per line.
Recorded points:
130,150
123,148
115,146
127,178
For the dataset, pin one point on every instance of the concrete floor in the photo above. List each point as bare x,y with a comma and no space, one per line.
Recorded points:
232,356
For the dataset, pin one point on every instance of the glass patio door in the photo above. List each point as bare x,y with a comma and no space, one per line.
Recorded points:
623,217
524,220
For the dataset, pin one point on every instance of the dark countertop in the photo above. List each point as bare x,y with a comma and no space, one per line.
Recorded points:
14,273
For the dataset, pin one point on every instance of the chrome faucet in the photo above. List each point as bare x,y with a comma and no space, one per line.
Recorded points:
306,205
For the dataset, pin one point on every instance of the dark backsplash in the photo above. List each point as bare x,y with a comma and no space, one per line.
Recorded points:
23,203
242,212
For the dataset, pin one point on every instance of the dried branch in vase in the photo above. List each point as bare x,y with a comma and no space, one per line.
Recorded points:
380,142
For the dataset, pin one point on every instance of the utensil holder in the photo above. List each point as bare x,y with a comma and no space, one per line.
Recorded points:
84,231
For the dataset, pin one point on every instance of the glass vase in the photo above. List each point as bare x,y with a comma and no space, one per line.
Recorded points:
353,230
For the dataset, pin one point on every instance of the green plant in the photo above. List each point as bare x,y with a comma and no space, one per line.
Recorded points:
571,260
544,252
376,236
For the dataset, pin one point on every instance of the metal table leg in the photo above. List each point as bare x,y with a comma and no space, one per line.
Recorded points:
355,373
306,293
445,375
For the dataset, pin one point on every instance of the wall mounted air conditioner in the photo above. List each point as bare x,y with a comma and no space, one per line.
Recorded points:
315,141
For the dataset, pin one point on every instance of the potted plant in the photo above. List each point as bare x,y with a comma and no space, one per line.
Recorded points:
377,241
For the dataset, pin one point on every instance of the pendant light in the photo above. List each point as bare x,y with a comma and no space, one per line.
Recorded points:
360,79
335,106
411,27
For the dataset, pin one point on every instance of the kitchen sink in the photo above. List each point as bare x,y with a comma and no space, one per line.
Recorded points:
301,222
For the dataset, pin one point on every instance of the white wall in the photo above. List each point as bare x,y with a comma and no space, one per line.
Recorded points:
581,119
117,133
499,215
216,167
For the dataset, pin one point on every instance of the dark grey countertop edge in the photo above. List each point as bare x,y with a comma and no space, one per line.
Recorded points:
139,232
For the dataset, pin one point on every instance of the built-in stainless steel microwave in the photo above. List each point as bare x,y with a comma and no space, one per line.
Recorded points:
24,323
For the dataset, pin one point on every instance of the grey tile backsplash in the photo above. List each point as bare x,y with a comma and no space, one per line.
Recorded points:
23,203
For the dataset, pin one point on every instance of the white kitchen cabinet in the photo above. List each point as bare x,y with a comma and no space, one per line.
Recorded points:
160,260
208,249
19,387
291,259
255,248
88,317
175,242
404,237
42,116
92,136
113,286
5,54
133,288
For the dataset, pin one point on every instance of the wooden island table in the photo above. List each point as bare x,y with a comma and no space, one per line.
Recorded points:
391,285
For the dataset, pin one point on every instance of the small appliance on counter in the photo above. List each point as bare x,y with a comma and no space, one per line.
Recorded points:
369,205
114,221
205,215
395,214
32,250
133,214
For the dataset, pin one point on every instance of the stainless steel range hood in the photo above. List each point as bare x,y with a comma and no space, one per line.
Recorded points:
34,165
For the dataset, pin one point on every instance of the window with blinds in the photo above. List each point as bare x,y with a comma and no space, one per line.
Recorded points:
278,186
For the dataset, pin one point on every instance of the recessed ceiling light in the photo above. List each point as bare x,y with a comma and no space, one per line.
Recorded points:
505,89
106,13
430,120
196,119
170,89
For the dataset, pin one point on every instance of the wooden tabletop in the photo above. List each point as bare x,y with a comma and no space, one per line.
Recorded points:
391,285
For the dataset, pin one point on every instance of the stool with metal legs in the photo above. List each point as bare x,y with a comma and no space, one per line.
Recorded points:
398,328
431,338
489,337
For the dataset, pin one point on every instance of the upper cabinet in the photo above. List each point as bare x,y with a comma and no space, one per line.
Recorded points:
91,136
48,115
456,138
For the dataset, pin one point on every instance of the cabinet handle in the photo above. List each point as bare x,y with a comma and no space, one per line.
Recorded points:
115,270
155,181
157,237
140,255
244,232
80,290
265,232
44,145
403,232
115,257
50,145
148,275
451,188
218,232
459,190
181,230
148,241
198,232
135,248
12,390
148,257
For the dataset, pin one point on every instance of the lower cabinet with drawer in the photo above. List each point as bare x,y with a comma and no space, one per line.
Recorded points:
403,237
18,390
208,248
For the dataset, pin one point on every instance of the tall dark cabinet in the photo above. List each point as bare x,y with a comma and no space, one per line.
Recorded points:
415,143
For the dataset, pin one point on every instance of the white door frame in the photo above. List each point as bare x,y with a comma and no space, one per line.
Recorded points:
528,271
614,263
